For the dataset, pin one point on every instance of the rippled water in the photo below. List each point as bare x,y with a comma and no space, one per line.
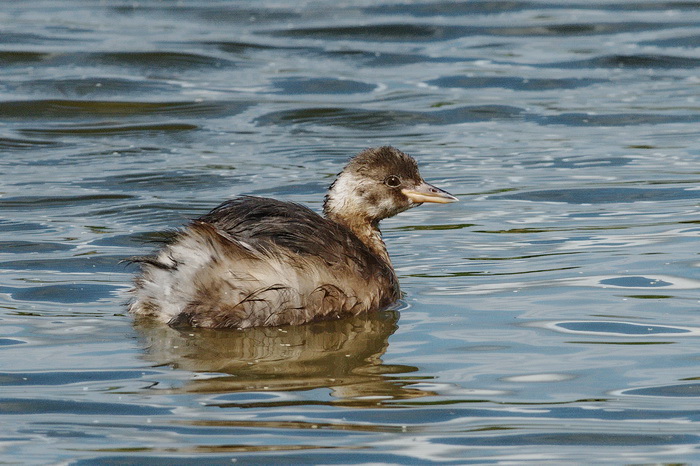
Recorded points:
551,315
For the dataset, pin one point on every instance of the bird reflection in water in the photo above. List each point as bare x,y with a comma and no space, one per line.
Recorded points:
342,355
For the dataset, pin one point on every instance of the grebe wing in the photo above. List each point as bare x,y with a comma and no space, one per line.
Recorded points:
270,225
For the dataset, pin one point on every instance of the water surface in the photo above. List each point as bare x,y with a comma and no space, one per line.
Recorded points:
550,316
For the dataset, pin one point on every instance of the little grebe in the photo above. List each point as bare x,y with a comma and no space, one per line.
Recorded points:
255,261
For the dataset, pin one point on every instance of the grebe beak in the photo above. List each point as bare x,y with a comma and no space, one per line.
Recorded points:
425,192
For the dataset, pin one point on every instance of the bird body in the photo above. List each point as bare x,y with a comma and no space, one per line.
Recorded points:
255,261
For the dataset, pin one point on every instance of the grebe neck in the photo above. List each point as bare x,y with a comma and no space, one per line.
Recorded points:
367,231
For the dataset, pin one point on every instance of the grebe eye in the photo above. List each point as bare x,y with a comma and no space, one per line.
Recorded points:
392,181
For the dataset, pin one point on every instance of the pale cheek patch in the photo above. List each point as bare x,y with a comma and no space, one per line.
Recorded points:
346,195
343,189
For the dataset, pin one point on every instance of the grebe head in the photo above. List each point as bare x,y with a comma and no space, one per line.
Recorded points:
379,183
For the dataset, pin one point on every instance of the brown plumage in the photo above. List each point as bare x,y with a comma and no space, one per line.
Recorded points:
262,262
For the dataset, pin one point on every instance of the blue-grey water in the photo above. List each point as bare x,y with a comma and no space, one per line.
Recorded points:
551,316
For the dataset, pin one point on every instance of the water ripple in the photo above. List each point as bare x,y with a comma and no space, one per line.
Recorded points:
411,32
156,59
9,57
687,390
619,329
64,293
321,86
515,83
378,119
25,144
31,405
632,61
690,42
101,130
59,109
40,202
605,195
480,7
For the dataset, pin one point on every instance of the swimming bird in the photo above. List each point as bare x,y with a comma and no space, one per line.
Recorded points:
256,261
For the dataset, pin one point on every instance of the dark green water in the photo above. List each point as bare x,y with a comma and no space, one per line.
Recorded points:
551,316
